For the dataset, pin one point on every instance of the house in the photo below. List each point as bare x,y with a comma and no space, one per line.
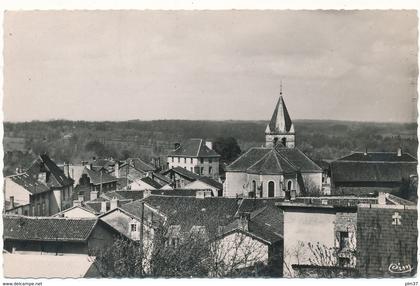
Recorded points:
206,183
132,168
387,240
144,184
276,170
197,156
322,234
368,172
96,181
54,235
253,238
180,177
27,196
43,189
77,211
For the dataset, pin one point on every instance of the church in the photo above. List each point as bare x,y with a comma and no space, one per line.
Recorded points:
277,170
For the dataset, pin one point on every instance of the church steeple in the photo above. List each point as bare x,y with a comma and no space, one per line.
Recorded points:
280,129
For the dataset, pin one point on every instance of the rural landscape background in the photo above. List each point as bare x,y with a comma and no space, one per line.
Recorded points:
73,141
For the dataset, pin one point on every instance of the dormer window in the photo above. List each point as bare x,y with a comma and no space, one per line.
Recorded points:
133,227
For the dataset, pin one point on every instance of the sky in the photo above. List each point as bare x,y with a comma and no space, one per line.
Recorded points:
211,65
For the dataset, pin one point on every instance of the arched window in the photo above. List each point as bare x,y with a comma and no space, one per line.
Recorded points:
275,140
271,189
289,185
283,141
254,186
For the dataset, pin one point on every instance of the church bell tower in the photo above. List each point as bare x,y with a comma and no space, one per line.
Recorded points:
280,129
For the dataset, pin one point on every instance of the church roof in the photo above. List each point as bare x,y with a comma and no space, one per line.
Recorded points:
278,160
272,163
280,121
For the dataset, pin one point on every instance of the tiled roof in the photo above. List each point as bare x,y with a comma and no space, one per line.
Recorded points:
193,148
57,178
379,157
280,121
211,182
131,194
298,159
265,223
138,164
247,159
151,182
190,211
162,177
113,195
28,183
97,178
346,171
47,228
183,172
273,161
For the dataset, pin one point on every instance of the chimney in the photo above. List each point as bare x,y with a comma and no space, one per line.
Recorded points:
382,198
113,203
243,221
93,195
66,169
209,145
103,207
176,145
77,203
399,152
117,169
146,193
12,202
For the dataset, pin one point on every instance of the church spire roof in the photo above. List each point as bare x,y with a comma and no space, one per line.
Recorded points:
280,121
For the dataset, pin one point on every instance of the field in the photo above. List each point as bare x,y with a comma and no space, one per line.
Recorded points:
73,141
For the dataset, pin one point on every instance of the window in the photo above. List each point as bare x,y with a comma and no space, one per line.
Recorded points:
179,160
254,186
44,210
201,160
271,189
172,159
210,170
209,160
185,160
344,239
133,227
201,170
191,160
289,185
283,141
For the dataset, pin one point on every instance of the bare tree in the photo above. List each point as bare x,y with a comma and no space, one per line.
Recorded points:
172,253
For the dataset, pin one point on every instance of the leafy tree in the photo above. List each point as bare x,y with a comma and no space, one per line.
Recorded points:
227,147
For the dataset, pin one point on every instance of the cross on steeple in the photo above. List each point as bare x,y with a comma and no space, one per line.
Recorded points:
281,87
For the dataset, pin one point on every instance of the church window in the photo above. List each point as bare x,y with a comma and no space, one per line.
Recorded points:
283,141
289,185
270,189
